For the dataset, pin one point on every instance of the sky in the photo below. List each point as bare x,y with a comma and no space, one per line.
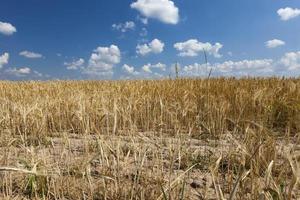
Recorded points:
144,39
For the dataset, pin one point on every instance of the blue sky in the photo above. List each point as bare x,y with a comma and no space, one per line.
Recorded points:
129,39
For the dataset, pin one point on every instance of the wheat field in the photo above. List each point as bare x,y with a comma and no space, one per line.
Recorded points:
218,138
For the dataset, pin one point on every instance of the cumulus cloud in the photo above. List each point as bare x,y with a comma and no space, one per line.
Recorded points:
124,27
74,65
155,46
149,67
19,71
7,28
288,13
143,19
144,32
291,60
22,73
274,43
159,66
146,68
144,73
193,47
147,71
29,54
130,70
232,68
287,65
16,73
4,59
246,67
162,10
102,61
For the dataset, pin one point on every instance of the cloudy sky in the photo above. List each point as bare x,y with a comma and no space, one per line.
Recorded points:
137,39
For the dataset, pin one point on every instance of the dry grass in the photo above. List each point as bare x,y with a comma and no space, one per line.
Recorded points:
169,139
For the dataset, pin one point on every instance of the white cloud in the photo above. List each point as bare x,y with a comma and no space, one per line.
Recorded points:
38,74
4,59
148,71
124,27
7,28
193,47
74,65
155,46
102,61
19,72
144,32
149,67
130,70
162,10
29,54
291,61
195,69
288,13
232,68
146,68
274,43
23,72
246,66
142,19
159,66
287,65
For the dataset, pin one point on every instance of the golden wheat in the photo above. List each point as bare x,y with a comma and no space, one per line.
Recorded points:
221,138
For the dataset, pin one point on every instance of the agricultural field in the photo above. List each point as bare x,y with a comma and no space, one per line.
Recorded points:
218,138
